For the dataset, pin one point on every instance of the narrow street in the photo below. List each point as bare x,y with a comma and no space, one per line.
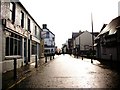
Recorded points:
66,71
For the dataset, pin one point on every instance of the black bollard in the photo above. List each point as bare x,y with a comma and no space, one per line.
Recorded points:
91,60
53,56
15,68
77,56
82,57
36,61
111,59
50,57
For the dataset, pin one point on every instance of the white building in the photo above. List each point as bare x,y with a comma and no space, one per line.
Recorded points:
83,42
49,41
19,36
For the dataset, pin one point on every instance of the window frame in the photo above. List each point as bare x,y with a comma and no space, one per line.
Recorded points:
12,12
14,46
22,19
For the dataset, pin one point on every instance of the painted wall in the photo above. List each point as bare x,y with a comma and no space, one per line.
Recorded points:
84,39
49,41
5,14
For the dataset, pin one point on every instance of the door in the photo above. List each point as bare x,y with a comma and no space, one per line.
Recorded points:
25,50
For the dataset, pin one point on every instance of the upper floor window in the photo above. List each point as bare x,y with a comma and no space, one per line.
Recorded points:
47,34
28,24
53,38
35,30
22,19
12,12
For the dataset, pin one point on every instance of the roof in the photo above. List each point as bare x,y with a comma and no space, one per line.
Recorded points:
104,25
48,31
95,33
97,37
75,34
111,28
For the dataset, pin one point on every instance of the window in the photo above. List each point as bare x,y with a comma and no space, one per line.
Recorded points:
47,34
13,45
22,19
34,47
28,24
12,12
86,47
35,30
53,39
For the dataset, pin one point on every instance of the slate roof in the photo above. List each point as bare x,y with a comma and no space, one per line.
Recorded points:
75,34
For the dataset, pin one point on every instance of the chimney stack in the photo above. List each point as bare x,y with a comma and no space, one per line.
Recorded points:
44,26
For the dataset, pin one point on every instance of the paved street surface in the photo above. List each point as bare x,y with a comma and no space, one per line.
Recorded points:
68,72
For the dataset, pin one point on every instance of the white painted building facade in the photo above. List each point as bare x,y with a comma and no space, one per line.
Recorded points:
19,36
49,41
83,42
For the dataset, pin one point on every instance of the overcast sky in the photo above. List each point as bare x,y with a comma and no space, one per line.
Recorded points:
66,16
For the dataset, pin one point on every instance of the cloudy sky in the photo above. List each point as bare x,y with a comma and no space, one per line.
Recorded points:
66,16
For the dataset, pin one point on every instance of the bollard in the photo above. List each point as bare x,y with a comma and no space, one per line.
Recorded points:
50,57
45,59
53,56
82,57
15,68
77,56
111,59
91,60
36,61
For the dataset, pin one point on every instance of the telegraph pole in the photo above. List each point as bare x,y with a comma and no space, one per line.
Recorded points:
92,38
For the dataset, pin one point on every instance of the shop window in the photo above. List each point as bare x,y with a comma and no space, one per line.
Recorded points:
13,45
34,48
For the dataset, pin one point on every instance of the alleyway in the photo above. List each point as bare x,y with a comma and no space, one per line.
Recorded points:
68,72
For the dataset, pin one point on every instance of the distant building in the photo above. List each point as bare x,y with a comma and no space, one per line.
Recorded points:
82,42
64,48
70,45
49,41
74,35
